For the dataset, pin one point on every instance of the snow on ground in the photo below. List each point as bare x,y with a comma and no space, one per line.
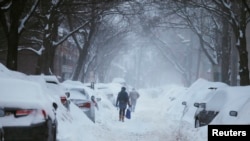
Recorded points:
158,117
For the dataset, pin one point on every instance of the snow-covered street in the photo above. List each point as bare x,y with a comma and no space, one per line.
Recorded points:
146,124
158,117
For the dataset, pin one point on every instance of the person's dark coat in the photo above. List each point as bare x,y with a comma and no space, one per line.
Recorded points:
122,99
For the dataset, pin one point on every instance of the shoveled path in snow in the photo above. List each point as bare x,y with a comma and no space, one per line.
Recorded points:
147,123
158,117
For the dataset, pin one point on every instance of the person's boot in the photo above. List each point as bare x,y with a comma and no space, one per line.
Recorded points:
122,118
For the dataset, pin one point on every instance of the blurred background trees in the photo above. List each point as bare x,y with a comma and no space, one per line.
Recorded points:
146,42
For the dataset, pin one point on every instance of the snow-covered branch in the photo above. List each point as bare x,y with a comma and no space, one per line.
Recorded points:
25,19
69,34
6,4
38,52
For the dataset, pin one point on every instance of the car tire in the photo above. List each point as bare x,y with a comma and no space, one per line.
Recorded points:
197,123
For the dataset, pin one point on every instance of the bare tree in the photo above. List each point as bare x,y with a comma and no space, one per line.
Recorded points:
92,17
13,19
210,29
235,13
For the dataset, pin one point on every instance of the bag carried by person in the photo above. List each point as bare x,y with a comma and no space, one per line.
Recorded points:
128,114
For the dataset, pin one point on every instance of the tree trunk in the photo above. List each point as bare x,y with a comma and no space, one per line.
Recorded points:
243,68
234,64
79,65
50,35
13,37
84,52
242,49
225,55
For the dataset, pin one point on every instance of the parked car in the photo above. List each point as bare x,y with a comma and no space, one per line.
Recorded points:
224,101
84,103
81,95
55,87
28,113
235,108
120,81
104,89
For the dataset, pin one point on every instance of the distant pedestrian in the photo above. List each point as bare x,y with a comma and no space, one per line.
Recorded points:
133,96
122,102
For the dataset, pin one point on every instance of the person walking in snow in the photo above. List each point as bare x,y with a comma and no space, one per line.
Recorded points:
122,101
133,96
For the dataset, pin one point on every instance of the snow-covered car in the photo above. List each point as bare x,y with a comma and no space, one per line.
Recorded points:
55,88
224,101
29,114
119,80
86,105
80,95
104,89
234,106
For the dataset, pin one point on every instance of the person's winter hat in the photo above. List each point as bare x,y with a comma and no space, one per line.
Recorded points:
123,88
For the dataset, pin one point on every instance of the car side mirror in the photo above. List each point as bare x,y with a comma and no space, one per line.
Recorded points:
184,103
233,113
196,105
55,105
1,112
67,94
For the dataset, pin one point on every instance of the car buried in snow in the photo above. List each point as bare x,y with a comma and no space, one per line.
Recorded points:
105,89
26,112
81,95
54,86
227,105
235,110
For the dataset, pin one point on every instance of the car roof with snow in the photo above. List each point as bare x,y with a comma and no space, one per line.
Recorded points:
229,99
77,85
24,93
